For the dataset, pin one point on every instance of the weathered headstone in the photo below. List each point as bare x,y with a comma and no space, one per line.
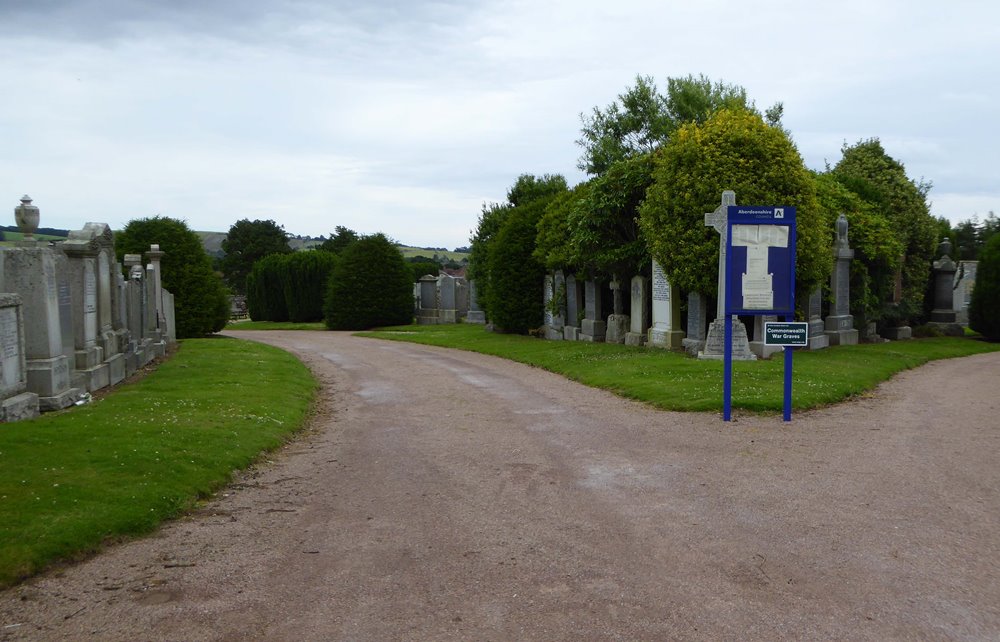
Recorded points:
555,305
475,315
817,338
639,317
428,314
962,292
448,311
943,315
618,322
16,402
32,273
593,327
840,322
574,309
715,342
462,297
666,320
694,342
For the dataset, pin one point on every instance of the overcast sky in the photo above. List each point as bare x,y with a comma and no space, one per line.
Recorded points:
403,117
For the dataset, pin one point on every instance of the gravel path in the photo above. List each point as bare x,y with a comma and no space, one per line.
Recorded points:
443,495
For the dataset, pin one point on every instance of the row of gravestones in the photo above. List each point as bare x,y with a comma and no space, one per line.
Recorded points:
658,324
70,322
446,299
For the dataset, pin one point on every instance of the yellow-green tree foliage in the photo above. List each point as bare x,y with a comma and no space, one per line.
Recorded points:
736,150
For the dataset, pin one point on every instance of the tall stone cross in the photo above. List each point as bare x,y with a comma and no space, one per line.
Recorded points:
719,219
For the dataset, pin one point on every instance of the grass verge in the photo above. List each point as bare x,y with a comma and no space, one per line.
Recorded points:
674,381
71,481
274,325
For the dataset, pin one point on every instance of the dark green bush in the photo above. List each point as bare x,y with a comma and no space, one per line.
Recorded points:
304,276
984,307
514,300
266,290
201,302
371,286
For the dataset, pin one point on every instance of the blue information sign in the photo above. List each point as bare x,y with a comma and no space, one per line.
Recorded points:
759,280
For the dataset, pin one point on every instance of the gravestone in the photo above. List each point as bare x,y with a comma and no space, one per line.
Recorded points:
757,346
555,305
475,315
618,322
448,306
694,342
33,274
428,314
943,315
962,292
817,338
666,313
16,403
840,323
462,297
574,308
593,327
135,355
639,317
715,342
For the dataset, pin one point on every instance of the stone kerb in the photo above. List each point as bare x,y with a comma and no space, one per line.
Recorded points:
16,403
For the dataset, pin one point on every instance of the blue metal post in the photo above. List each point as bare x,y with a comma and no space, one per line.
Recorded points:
727,366
789,350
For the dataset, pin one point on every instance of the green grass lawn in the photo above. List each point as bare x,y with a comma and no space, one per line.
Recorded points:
674,381
73,480
274,325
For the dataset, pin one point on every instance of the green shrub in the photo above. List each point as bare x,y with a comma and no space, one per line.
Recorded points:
201,302
984,307
371,286
304,276
514,300
266,291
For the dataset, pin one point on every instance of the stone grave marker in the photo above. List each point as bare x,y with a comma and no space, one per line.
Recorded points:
840,322
817,338
593,327
696,318
666,313
639,317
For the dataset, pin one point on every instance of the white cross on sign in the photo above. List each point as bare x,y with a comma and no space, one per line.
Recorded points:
758,291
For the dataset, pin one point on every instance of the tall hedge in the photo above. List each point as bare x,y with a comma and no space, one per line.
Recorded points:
304,276
371,286
266,290
984,307
514,300
201,302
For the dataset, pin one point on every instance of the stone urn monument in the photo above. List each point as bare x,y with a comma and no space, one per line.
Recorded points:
26,216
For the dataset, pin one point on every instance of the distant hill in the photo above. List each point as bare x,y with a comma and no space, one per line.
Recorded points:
212,242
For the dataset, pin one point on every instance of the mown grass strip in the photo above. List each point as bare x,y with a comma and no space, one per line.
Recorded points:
674,381
274,325
73,480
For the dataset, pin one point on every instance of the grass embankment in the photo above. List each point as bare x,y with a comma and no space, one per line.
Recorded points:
73,480
274,325
674,381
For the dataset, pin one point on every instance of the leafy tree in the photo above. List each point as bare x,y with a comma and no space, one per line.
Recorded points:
642,119
304,277
201,304
877,248
246,242
491,219
422,267
514,298
734,149
984,306
529,188
605,232
866,169
371,286
553,243
266,290
339,240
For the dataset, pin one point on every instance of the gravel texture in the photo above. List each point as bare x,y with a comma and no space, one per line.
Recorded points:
444,495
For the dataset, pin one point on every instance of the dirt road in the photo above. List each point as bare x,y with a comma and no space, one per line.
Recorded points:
443,495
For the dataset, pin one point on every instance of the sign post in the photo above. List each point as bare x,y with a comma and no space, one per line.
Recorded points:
760,280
